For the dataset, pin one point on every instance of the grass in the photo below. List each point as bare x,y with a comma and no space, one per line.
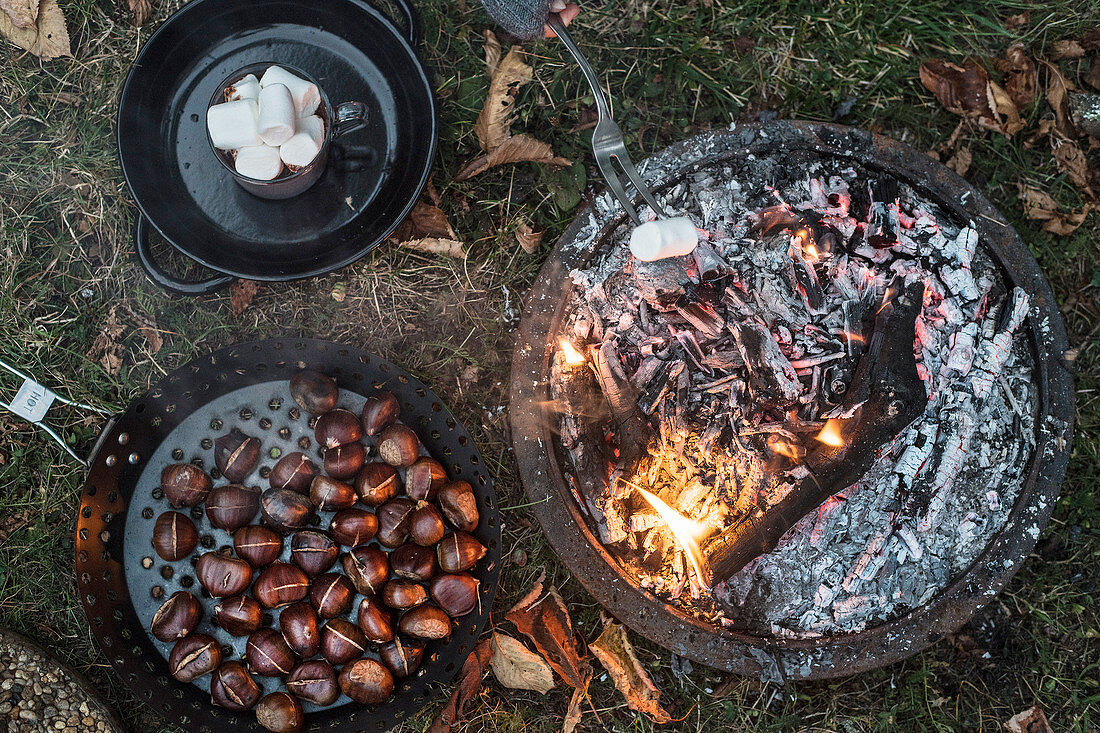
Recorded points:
675,68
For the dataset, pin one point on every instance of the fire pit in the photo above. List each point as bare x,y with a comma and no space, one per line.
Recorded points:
821,442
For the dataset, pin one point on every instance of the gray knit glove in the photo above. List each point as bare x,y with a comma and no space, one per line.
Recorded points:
521,18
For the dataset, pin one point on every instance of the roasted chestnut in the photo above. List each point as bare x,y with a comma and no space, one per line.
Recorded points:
315,682
337,427
184,484
258,546
236,455
399,446
352,527
402,594
284,510
424,478
402,656
456,594
367,568
459,551
331,595
233,688
413,562
239,615
342,641
459,505
280,712
293,471
379,412
280,583
174,536
222,576
426,526
313,552
377,483
299,625
426,622
193,656
394,520
177,618
314,392
366,681
375,620
344,461
268,654
232,506
330,495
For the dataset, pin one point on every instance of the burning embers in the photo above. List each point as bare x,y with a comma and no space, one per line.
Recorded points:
712,404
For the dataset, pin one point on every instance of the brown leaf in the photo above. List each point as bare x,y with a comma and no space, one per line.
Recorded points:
1066,50
518,149
1021,76
1031,720
494,124
241,294
1020,19
437,246
1093,77
469,683
1057,94
1090,39
425,220
141,10
960,161
1073,162
492,51
23,13
574,713
1039,206
47,38
518,668
146,325
617,656
528,238
547,624
967,91
106,348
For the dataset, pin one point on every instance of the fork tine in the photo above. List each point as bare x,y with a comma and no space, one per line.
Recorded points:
611,180
639,184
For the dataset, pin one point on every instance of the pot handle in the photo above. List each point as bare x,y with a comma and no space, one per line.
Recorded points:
161,277
414,32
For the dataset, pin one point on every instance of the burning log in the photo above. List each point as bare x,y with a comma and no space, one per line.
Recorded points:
701,315
771,375
661,282
709,263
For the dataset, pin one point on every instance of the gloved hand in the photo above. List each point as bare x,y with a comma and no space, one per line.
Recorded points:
527,18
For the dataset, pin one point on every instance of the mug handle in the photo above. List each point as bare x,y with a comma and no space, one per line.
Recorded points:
349,117
161,276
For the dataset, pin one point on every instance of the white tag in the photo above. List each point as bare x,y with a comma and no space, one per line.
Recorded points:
32,401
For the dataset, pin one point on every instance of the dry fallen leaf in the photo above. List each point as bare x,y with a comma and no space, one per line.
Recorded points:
492,52
106,348
1073,162
518,149
241,293
1018,20
518,668
146,325
547,624
425,220
967,91
46,38
1040,206
617,656
1093,77
1057,95
23,13
469,682
1066,50
1031,720
960,161
494,124
141,10
437,246
574,712
528,238
1021,76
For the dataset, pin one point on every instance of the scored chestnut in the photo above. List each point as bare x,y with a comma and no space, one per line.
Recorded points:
314,681
379,412
426,526
177,618
399,446
375,620
314,552
426,622
402,656
459,505
236,455
456,594
184,484
258,546
342,641
402,594
331,595
344,461
377,483
424,478
239,615
394,521
337,427
459,551
367,568
298,623
193,656
223,576
174,536
233,688
284,510
232,506
280,583
268,653
293,471
314,392
413,562
353,527
280,712
330,495
366,681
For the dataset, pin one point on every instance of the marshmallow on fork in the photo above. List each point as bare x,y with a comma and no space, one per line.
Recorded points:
276,121
233,125
301,149
656,240
246,88
307,97
260,162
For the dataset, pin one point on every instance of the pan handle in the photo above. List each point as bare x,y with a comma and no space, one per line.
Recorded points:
414,32
161,277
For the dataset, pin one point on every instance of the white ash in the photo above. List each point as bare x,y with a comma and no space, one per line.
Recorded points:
936,495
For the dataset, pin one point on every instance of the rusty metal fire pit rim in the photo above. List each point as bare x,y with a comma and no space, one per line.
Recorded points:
842,654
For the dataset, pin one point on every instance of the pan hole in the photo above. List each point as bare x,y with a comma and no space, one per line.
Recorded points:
187,581
140,408
86,512
294,413
82,556
265,472
216,424
265,423
104,536
85,578
170,408
275,452
436,435
84,534
157,592
155,422
147,562
91,491
436,407
420,392
206,443
196,512
167,572
147,512
245,413
463,440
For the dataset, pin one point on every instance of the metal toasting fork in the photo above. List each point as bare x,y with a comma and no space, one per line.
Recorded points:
607,138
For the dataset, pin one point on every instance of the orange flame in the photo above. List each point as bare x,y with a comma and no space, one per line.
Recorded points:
687,533
572,356
830,434
810,253
784,448
854,337
886,297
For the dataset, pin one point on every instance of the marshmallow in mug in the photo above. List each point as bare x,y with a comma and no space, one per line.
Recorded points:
261,162
276,118
234,125
307,97
300,150
246,88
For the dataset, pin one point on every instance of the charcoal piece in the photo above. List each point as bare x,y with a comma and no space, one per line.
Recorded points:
661,282
773,219
771,375
723,360
701,315
657,384
709,263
